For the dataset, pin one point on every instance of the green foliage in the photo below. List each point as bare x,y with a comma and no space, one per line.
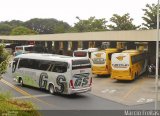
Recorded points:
122,22
150,16
92,24
4,59
13,23
10,107
5,29
22,31
61,27
47,26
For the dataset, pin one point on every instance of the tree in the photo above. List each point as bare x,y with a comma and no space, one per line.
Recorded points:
22,31
150,16
47,26
5,29
4,59
123,22
13,23
61,27
89,25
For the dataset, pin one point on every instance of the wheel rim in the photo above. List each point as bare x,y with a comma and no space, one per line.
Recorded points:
51,89
21,82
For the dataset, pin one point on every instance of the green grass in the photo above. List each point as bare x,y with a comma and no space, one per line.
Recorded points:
16,107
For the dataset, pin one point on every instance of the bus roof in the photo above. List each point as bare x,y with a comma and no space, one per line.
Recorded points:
25,46
87,50
130,51
110,50
48,57
133,52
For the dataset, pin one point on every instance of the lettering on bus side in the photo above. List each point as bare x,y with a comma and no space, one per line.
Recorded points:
43,80
120,65
61,80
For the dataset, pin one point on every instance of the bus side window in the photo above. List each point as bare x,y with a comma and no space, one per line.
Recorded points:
33,64
44,65
23,63
59,67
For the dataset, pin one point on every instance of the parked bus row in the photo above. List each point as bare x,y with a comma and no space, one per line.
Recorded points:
120,65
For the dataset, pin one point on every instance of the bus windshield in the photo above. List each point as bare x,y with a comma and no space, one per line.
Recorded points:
80,54
28,48
98,57
78,64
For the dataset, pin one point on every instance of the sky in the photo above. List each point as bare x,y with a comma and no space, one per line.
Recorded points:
67,10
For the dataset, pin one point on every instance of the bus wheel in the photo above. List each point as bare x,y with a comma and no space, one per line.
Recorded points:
51,89
21,82
137,76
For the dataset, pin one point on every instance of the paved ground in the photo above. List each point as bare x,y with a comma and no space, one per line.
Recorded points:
135,92
130,93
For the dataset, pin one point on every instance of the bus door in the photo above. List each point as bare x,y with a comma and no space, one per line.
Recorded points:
27,72
81,74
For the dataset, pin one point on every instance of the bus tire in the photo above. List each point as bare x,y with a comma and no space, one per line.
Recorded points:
137,75
21,82
51,89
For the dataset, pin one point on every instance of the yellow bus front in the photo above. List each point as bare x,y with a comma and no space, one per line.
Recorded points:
100,66
120,63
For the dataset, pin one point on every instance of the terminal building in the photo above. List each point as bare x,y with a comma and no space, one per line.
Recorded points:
131,39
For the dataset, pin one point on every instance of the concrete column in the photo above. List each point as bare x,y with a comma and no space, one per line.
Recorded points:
65,47
56,47
152,52
74,45
49,46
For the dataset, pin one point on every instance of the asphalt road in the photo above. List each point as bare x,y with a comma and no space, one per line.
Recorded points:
46,101
82,102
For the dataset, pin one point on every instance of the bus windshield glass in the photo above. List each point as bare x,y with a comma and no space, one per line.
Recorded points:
80,54
98,57
28,48
78,64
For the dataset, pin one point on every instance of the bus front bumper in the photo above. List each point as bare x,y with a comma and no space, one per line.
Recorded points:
100,72
122,77
81,90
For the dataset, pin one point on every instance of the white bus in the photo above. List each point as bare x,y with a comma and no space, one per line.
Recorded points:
56,73
23,49
84,53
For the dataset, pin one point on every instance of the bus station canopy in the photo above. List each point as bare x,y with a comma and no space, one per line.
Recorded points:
130,35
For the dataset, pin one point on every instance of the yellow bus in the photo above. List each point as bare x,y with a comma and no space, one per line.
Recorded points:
101,61
128,65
